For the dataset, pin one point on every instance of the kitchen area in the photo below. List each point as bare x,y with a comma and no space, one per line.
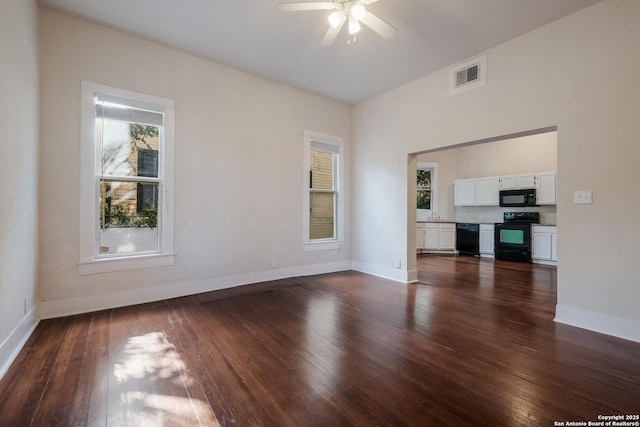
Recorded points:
495,200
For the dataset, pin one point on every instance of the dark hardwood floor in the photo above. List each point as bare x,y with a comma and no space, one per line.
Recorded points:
474,344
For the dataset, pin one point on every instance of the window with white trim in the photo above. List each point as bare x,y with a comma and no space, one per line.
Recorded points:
126,209
427,187
323,211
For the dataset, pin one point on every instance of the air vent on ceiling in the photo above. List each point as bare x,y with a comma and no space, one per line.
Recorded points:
468,75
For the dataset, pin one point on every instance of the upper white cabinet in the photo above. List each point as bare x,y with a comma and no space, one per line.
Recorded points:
487,191
516,182
546,188
476,191
464,192
527,180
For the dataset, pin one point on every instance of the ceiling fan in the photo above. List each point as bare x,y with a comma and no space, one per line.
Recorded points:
351,11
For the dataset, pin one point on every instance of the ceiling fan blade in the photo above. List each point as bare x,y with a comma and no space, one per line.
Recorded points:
332,33
315,5
378,25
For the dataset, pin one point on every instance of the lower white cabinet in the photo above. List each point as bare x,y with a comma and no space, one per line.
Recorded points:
486,240
436,236
420,236
545,244
447,237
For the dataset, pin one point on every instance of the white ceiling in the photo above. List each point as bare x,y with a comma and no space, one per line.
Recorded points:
253,36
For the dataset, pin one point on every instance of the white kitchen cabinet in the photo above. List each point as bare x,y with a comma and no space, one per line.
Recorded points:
432,237
544,242
486,240
546,188
487,191
527,180
477,191
464,192
508,182
419,236
447,237
516,182
437,236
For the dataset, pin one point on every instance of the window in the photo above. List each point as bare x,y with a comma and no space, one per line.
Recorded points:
126,180
427,179
323,205
147,194
424,189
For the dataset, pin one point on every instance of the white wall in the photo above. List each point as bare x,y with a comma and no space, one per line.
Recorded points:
577,73
532,153
18,173
238,171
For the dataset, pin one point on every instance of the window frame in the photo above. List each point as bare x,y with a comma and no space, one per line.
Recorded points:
427,214
336,242
90,260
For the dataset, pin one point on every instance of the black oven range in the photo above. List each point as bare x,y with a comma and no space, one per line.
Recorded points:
512,238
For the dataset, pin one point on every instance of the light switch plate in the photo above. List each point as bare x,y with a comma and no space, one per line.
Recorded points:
583,197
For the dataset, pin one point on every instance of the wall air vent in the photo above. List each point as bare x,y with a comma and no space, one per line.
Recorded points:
468,75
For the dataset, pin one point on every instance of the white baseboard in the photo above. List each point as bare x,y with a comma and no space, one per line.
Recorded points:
412,276
86,304
10,348
544,262
395,274
621,328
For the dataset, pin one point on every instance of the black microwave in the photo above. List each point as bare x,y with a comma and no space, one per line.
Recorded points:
518,198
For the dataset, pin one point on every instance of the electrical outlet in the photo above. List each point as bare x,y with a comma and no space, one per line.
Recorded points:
26,304
274,262
398,263
582,197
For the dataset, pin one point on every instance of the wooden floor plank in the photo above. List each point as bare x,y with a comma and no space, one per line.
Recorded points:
22,387
67,373
472,344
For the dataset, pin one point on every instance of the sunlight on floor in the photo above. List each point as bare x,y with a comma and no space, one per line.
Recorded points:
151,365
321,344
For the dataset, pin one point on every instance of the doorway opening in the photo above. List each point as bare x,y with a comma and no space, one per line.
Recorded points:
429,230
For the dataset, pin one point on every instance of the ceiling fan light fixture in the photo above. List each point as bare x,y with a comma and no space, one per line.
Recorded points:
349,13
358,11
335,18
354,25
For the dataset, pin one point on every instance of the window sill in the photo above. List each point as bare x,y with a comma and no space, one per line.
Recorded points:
322,246
109,265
